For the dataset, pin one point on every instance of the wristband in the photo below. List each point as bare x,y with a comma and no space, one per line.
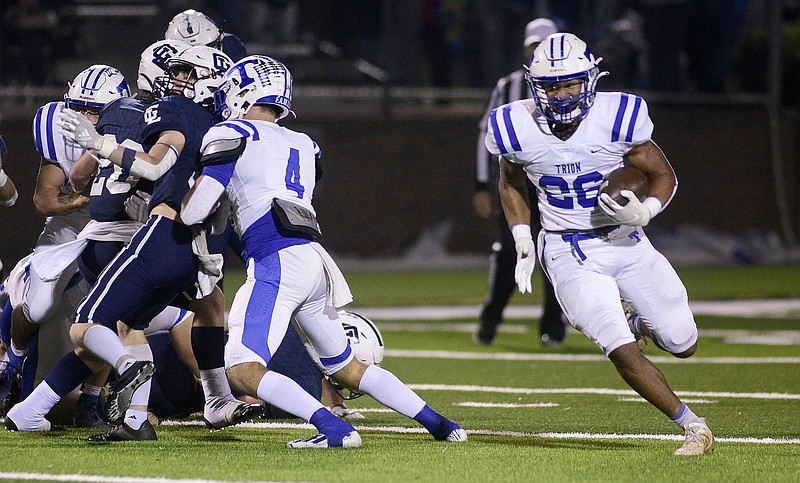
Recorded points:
653,205
521,231
10,202
3,178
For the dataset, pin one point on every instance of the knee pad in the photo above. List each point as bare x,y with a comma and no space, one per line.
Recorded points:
676,332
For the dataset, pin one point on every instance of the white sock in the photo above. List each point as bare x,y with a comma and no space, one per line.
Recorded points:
105,344
135,419
284,393
141,352
18,352
30,412
390,391
90,389
215,385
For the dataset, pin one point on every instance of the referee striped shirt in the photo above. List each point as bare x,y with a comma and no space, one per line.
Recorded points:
508,89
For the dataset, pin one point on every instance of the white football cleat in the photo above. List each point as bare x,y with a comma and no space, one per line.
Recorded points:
233,411
699,440
319,440
457,435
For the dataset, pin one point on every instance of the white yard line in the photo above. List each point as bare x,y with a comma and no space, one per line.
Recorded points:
764,308
597,390
729,336
510,356
516,434
103,478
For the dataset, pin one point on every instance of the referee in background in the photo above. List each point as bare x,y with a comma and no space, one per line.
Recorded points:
487,205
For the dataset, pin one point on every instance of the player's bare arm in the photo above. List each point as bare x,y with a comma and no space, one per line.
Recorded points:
514,193
83,171
48,198
649,158
8,191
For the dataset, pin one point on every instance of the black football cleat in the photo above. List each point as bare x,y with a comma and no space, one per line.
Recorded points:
87,415
123,432
121,392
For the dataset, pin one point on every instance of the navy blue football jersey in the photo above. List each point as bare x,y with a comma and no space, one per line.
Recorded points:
124,118
233,47
3,152
176,113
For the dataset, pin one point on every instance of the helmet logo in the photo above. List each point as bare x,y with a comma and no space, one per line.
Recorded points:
189,28
162,54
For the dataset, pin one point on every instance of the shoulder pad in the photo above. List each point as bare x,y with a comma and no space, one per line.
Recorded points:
222,150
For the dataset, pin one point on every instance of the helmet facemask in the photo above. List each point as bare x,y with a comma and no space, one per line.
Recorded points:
569,108
195,73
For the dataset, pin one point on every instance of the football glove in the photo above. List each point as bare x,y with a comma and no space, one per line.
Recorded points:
526,262
634,213
76,127
136,206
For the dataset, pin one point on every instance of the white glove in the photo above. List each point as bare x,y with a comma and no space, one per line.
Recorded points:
136,206
526,262
76,127
635,213
344,412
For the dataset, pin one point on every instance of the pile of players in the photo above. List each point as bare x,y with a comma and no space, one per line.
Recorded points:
131,255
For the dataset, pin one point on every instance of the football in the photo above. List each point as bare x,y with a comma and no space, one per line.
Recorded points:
625,178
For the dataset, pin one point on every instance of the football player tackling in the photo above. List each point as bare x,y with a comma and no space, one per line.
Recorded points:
268,174
566,140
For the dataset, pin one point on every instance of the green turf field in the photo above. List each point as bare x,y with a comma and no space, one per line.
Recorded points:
532,414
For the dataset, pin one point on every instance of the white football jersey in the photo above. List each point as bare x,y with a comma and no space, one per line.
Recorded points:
277,163
49,141
568,173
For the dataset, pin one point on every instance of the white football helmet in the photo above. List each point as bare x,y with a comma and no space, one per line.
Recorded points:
256,79
195,28
206,67
95,87
563,57
365,341
364,337
153,62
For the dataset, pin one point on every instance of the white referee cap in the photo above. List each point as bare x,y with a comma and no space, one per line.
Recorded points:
537,30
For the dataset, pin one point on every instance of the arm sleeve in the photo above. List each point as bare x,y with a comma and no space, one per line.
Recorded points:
202,201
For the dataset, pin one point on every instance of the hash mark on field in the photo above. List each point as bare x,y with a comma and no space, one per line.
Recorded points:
687,401
469,404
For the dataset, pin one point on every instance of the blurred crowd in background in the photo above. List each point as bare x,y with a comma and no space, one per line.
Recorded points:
659,45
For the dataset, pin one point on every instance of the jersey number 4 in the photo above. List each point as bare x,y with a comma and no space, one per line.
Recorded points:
292,177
